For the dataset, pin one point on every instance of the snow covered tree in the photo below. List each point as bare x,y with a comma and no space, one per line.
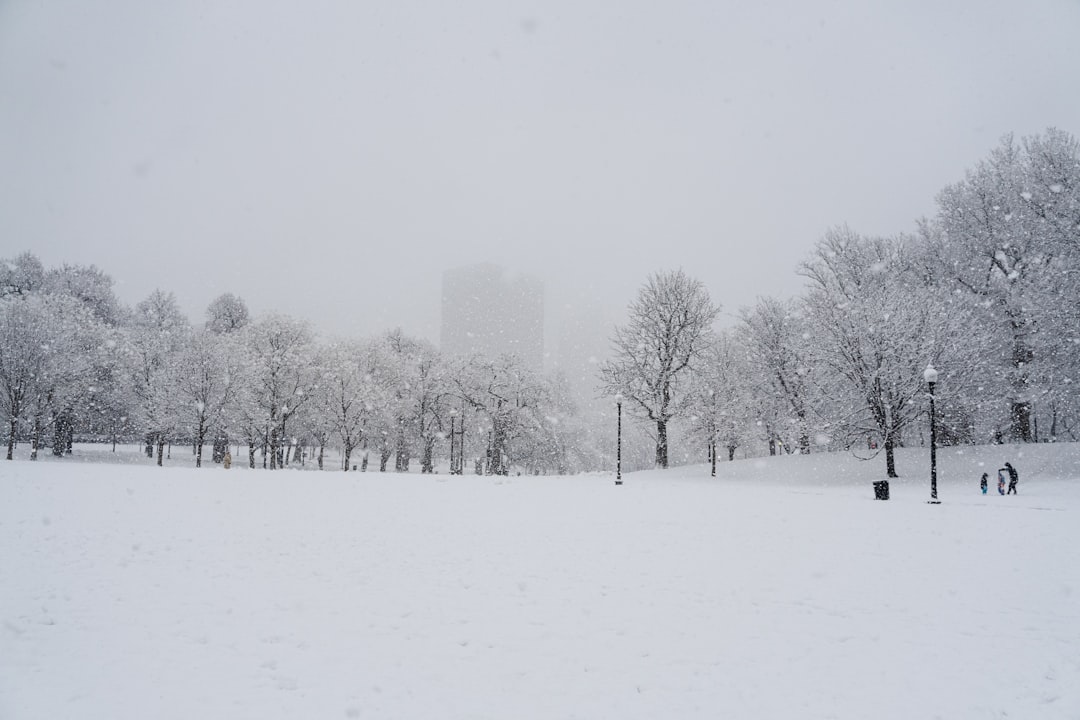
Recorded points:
24,355
346,393
718,406
226,314
159,332
555,438
508,400
427,395
776,340
1005,237
245,415
21,275
203,379
653,353
279,352
48,345
91,287
416,399
877,323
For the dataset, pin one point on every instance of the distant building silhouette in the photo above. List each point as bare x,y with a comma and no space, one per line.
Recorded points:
485,312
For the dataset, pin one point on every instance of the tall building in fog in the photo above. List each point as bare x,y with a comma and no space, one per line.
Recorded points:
486,312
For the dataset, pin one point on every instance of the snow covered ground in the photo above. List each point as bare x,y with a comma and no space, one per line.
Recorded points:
779,589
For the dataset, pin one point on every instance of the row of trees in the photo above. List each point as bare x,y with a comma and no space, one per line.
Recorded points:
74,361
988,291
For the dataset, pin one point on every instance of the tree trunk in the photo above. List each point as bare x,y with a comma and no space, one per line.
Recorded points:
731,452
11,437
251,454
348,455
772,446
804,444
1020,409
384,457
427,460
401,453
60,425
322,446
160,449
274,447
36,440
498,449
890,460
661,444
1020,417
200,437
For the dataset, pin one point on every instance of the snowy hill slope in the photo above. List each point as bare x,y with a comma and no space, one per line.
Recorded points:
780,589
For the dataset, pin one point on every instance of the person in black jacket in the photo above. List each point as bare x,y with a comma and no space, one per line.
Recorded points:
1013,478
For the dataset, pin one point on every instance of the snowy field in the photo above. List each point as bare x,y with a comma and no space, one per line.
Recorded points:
779,589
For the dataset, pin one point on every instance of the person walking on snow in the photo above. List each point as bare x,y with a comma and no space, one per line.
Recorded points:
983,483
1013,478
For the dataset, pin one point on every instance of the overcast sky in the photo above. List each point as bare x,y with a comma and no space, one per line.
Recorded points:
329,159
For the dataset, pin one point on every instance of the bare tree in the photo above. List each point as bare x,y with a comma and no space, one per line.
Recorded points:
668,329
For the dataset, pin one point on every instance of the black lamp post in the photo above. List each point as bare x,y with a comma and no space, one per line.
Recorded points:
618,440
930,376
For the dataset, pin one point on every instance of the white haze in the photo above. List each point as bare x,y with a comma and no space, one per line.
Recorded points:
332,159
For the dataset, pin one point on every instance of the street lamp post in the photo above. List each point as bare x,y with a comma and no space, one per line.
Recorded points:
930,375
618,440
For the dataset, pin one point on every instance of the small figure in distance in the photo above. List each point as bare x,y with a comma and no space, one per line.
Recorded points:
1001,481
1014,477
227,460
983,483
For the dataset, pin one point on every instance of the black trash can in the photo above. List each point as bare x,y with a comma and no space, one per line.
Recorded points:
881,490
